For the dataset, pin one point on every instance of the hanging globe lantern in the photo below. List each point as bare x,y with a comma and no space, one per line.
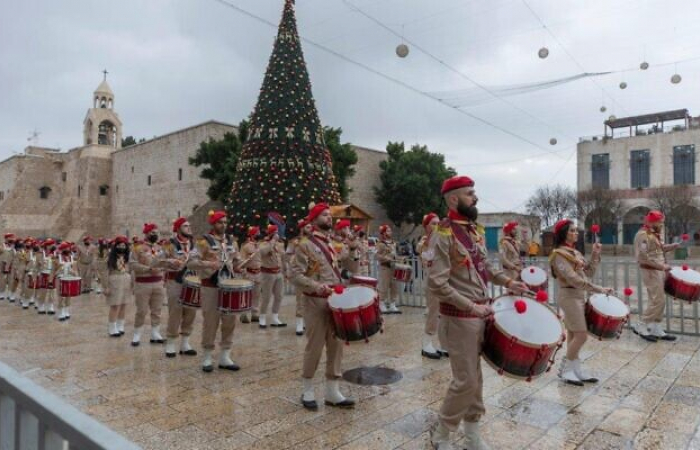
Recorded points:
623,85
402,50
644,65
553,141
612,117
603,109
675,79
543,52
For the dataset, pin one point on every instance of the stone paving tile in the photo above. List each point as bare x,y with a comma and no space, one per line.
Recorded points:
648,396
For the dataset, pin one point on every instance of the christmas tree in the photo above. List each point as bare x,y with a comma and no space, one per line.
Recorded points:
284,164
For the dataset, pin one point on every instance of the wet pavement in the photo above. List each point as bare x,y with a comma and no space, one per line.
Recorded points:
648,397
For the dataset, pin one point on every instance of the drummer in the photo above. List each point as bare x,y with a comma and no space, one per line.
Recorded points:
573,274
314,270
386,256
458,279
426,253
651,256
117,285
509,254
66,267
214,250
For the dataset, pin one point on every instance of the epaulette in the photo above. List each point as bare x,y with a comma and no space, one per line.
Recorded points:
480,229
304,240
444,228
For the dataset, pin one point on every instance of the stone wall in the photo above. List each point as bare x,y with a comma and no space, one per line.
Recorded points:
364,181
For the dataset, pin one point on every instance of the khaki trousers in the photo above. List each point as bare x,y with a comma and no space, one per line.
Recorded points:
27,292
464,398
180,320
320,333
255,278
433,313
4,282
46,296
299,303
386,286
212,319
272,284
86,273
654,282
63,302
149,298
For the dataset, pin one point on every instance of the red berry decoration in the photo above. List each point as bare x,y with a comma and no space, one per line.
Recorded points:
685,236
520,306
685,267
532,270
541,296
595,228
338,289
628,292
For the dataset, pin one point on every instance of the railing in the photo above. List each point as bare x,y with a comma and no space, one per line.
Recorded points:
681,317
31,418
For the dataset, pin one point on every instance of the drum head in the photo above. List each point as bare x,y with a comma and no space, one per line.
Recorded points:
537,325
402,266
609,305
364,279
235,282
71,278
352,297
193,280
689,276
534,276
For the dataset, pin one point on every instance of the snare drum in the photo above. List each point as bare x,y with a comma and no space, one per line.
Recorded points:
524,345
535,278
683,283
44,280
356,314
235,295
70,286
190,295
606,316
32,281
357,280
402,273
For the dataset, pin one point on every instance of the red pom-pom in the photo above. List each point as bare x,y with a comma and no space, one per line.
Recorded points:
685,267
685,236
532,270
338,289
628,292
541,296
595,228
520,306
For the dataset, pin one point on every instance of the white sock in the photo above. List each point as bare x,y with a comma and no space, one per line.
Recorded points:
262,320
276,319
120,325
112,328
225,358
185,344
333,394
300,324
207,358
308,392
170,346
155,333
428,344
137,335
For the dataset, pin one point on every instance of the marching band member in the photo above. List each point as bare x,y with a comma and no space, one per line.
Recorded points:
149,291
19,266
272,278
304,229
117,284
651,257
387,286
66,267
6,254
86,259
215,251
458,279
314,270
426,253
33,270
46,268
100,270
180,319
363,250
509,254
251,263
573,274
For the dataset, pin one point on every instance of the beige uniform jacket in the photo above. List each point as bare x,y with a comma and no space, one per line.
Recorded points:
272,256
248,249
147,260
205,254
310,268
386,254
573,271
649,250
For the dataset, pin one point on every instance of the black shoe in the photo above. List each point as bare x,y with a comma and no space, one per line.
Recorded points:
67,317
278,325
115,335
61,319
244,318
430,355
574,382
255,318
300,333
41,312
646,337
590,380
25,307
667,337
310,405
121,333
208,369
135,344
443,353
262,326
347,403
232,367
157,341
51,313
170,355
190,352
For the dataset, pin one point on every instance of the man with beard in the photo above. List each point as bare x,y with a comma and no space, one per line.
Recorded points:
214,252
458,279
180,319
251,263
314,270
509,254
149,291
272,278
387,286
651,256
6,254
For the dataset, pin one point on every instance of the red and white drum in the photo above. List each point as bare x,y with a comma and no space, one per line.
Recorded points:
523,345
606,315
403,273
32,281
190,294
235,295
683,283
535,278
356,314
44,280
357,280
70,286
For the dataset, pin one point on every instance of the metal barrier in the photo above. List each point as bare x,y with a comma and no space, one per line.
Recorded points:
32,418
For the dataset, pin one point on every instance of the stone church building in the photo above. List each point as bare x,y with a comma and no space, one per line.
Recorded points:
102,189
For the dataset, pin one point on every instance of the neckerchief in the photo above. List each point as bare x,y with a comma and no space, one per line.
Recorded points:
314,238
463,237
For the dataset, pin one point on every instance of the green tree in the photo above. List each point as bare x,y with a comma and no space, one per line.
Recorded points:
410,183
219,159
344,158
128,141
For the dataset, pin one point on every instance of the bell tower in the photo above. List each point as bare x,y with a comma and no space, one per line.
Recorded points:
102,125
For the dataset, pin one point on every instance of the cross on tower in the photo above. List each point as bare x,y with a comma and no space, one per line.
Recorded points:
105,74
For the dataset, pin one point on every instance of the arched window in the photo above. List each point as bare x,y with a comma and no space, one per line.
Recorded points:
106,133
44,192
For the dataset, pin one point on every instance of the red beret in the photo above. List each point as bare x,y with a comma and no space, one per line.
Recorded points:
87,239
271,229
655,216
357,228
253,231
148,227
178,223
510,226
342,223
121,239
49,242
64,246
428,217
215,216
9,236
316,211
559,225
383,228
455,183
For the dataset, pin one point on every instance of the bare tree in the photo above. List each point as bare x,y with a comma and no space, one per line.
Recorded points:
552,203
679,205
599,206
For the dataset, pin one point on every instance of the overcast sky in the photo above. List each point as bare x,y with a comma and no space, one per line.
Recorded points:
176,63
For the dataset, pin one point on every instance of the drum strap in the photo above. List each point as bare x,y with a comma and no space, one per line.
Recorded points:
474,253
326,252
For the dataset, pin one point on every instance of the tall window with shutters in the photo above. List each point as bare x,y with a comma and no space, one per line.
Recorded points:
683,164
600,171
639,169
